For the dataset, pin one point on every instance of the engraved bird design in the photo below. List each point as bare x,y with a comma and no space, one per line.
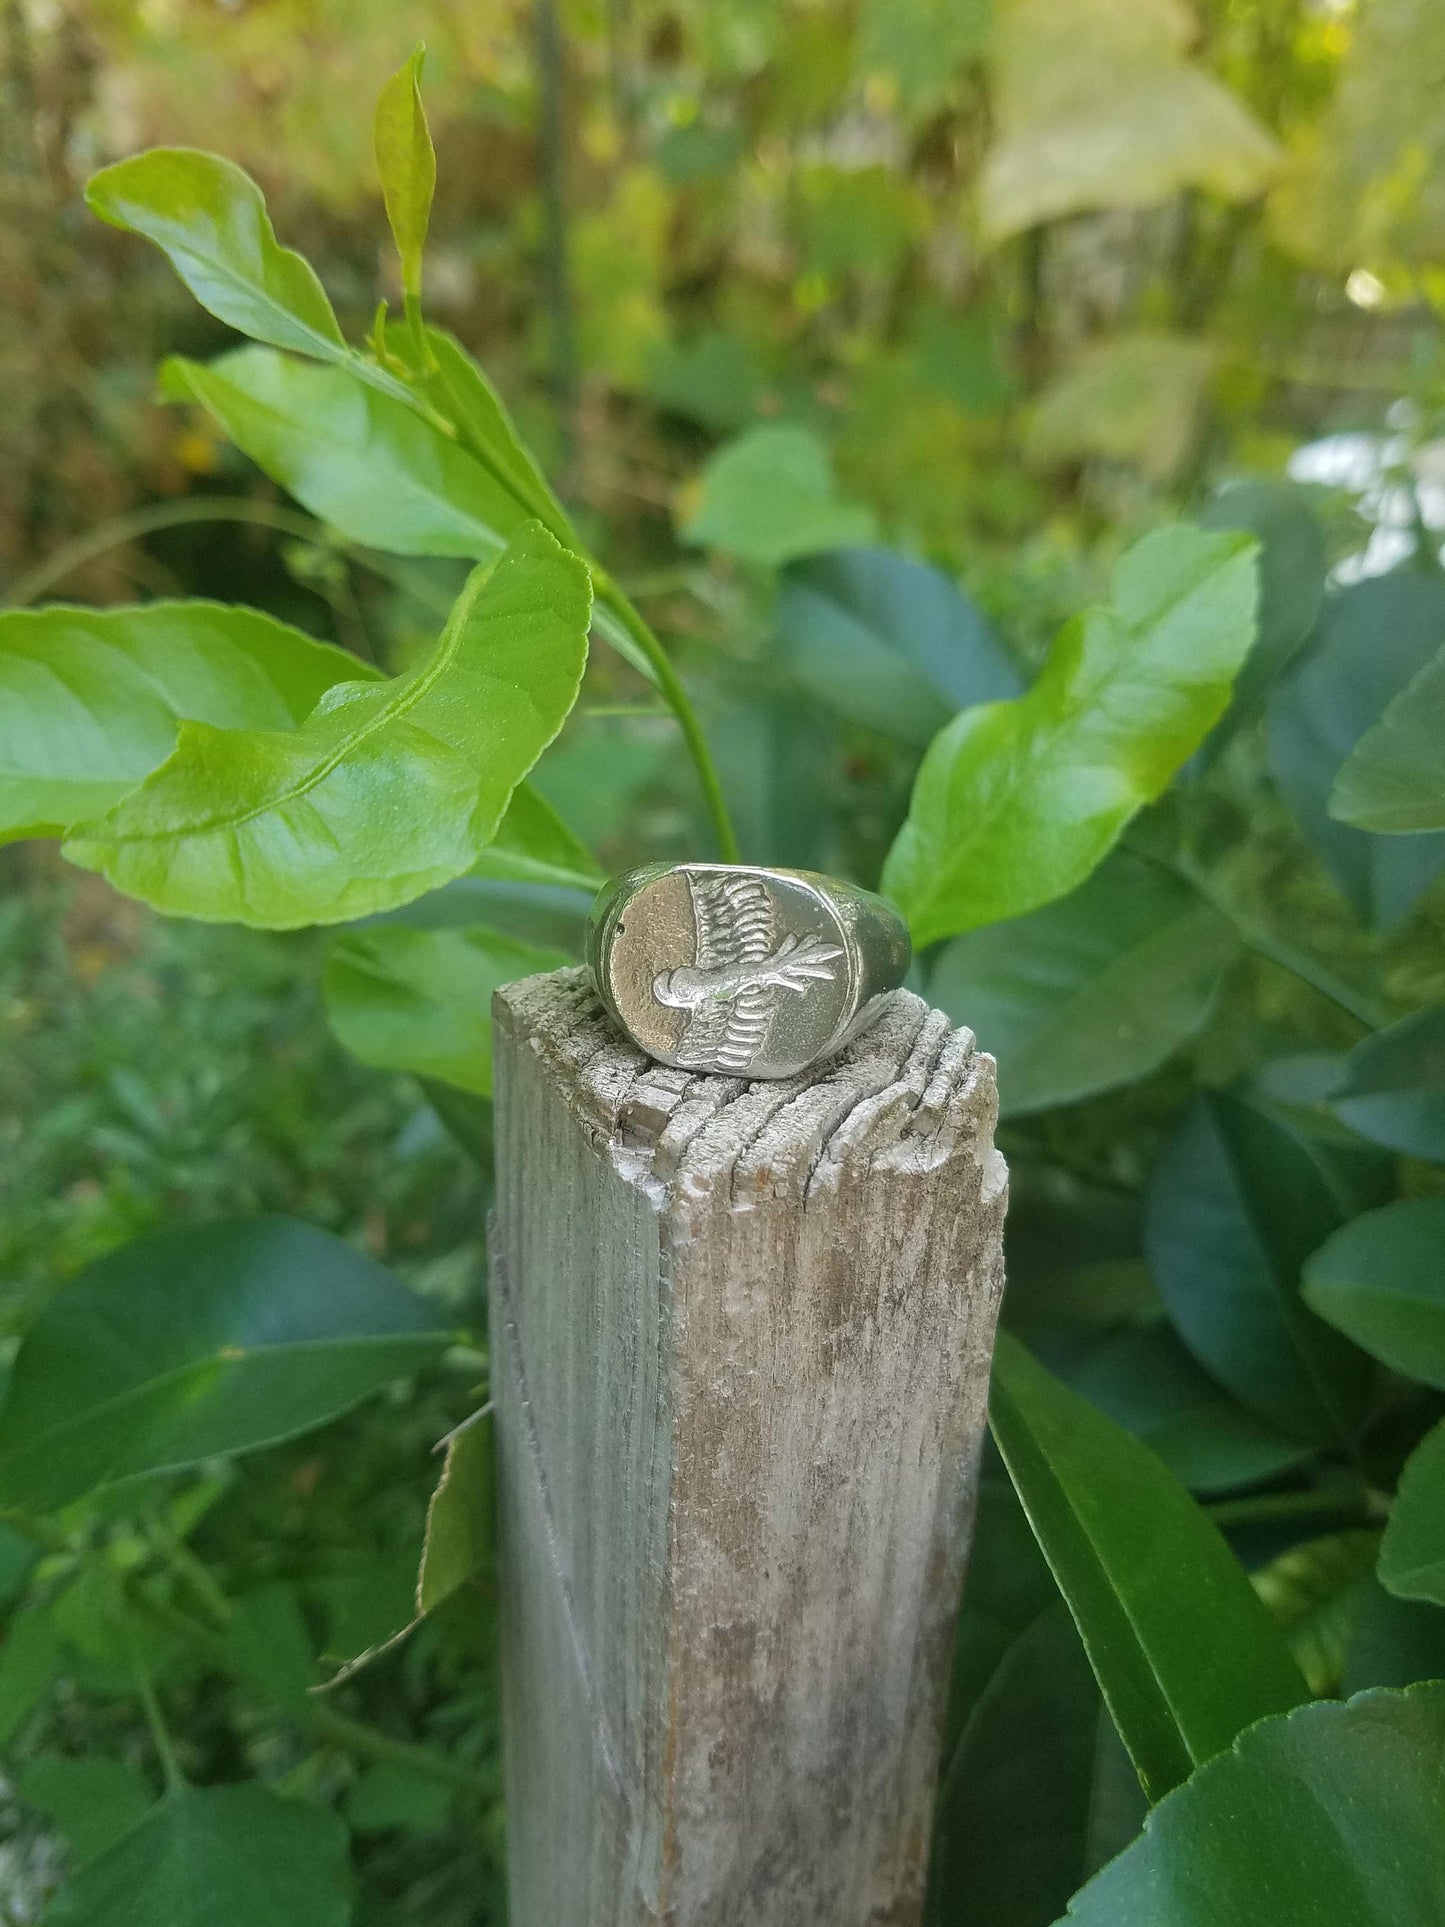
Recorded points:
732,989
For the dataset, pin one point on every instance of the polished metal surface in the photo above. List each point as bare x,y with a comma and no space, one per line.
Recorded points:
744,971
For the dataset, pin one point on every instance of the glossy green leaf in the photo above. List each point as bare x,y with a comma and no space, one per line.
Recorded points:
1391,1088
1333,1814
91,1800
421,1000
385,791
888,642
209,218
1381,1278
1293,563
91,699
1038,1793
1183,1650
407,164
199,1342
1393,780
1313,1591
1142,1377
1372,639
1017,802
225,1856
534,845
770,496
1090,992
1412,1555
1235,1205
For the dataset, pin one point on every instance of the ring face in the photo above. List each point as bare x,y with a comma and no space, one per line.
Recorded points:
741,971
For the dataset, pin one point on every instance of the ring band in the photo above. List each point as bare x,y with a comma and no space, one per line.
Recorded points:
747,972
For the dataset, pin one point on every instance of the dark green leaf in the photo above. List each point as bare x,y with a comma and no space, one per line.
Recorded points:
1038,1793
1393,780
1144,1379
1381,1279
1412,1558
91,699
407,164
269,1645
1183,1650
1333,1814
1314,1591
91,1801
769,497
226,1856
1292,566
1397,1642
1009,1585
1372,639
1093,991
1392,1088
195,1343
1017,802
888,642
388,1796
1235,1205
385,791
421,1000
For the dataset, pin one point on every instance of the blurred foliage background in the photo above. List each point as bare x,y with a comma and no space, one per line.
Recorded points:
999,285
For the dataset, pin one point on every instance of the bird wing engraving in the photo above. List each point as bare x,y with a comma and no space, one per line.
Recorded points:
734,920
727,1033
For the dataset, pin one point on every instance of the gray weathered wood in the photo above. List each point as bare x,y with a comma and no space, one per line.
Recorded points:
740,1354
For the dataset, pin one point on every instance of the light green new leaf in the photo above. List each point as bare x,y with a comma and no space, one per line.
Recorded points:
196,1343
1330,1817
1412,1556
223,1856
91,699
421,1000
209,218
1184,1652
385,791
1393,780
769,496
1016,802
1089,992
407,163
1381,1279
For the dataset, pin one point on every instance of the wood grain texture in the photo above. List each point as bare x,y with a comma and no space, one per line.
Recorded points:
740,1341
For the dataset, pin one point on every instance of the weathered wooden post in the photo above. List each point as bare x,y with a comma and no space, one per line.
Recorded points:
740,1354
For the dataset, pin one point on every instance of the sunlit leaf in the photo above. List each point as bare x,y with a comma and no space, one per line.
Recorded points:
195,1343
407,164
1412,1556
1393,780
1381,1279
1016,802
91,699
770,496
1182,1648
385,791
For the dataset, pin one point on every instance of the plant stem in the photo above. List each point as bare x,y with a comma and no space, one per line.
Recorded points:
373,1744
155,1720
1291,1505
679,703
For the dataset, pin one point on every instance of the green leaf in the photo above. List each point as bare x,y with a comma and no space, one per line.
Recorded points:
1397,1642
1392,1086
1412,1556
91,699
91,1801
385,791
31,1654
1142,1377
226,1856
196,1343
1095,105
1332,1814
921,44
534,845
1381,1279
388,1796
421,1000
1183,1650
364,463
1314,1590
888,642
1017,802
769,497
460,1533
1093,991
407,164
209,218
1038,1793
1372,639
1393,780
1234,1206
1293,564
268,1642
1132,397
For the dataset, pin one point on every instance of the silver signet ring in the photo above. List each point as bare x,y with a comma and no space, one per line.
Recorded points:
745,972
